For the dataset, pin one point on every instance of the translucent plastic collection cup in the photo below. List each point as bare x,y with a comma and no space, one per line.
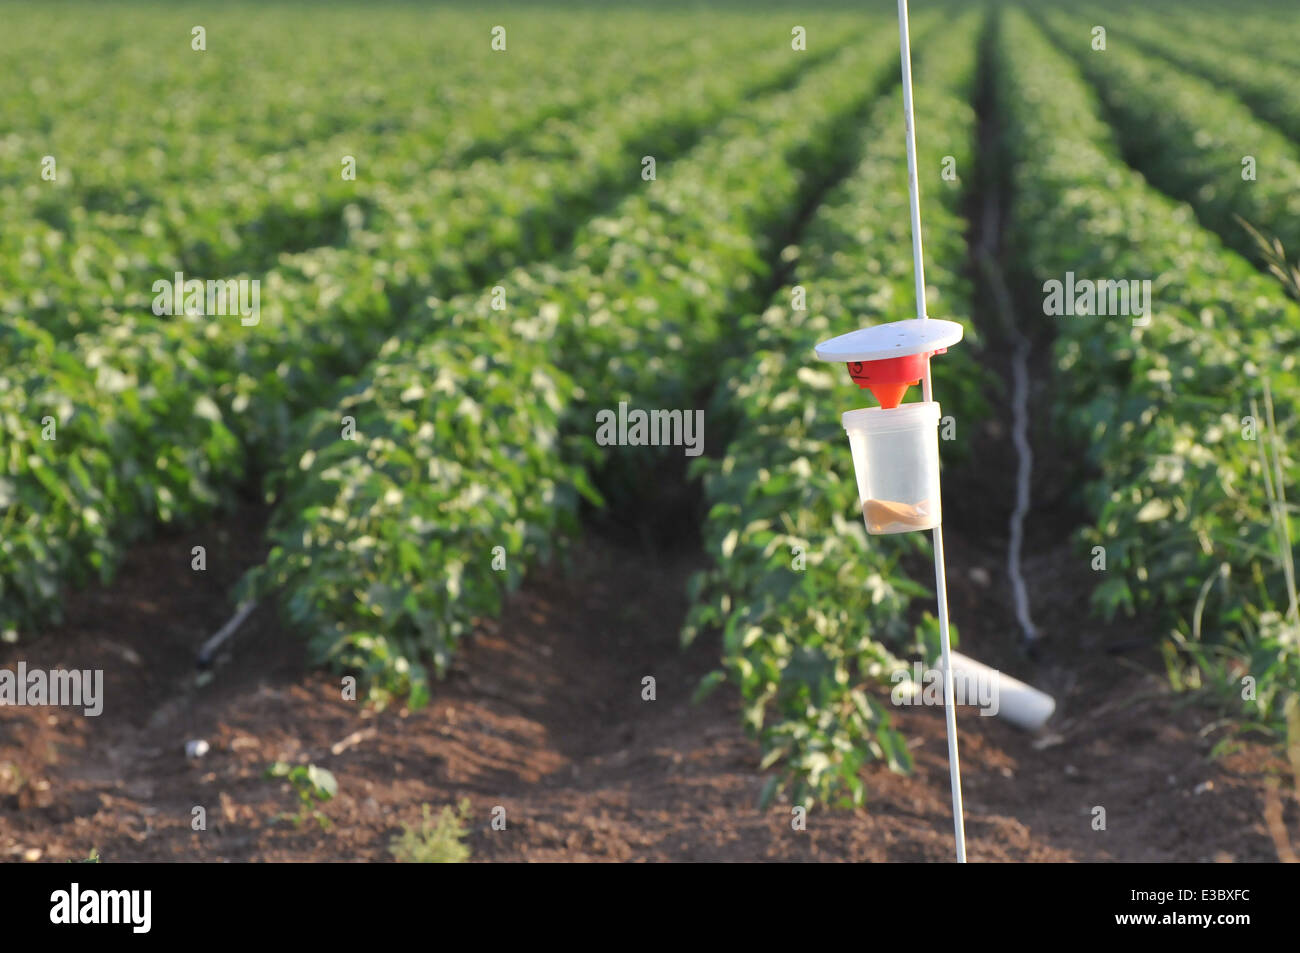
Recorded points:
896,461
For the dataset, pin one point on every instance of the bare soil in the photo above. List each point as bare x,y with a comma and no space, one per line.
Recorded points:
543,715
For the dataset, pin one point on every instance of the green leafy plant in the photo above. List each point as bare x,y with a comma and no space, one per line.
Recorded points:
1187,482
1274,255
437,840
1184,132
1268,649
311,784
1260,80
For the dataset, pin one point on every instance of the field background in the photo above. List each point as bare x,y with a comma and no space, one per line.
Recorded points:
499,269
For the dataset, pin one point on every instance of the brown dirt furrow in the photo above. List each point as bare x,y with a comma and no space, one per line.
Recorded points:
542,714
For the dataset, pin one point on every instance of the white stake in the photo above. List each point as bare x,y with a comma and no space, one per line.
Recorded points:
940,576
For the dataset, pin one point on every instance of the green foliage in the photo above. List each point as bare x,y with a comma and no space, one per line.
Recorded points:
311,784
1273,255
1189,135
160,417
385,547
1266,87
1166,412
478,433
437,841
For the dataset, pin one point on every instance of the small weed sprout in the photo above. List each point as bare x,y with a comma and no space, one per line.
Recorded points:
311,783
1275,257
435,840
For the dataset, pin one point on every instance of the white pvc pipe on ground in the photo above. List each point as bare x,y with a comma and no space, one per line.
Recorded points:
975,683
1022,705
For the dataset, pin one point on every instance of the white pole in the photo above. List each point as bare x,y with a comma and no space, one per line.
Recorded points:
940,576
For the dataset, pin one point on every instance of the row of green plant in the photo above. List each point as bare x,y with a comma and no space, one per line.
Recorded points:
151,419
1190,138
1182,481
1268,88
133,110
1263,32
811,609
475,432
72,263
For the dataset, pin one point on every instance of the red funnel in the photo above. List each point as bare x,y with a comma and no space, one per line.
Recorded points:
889,379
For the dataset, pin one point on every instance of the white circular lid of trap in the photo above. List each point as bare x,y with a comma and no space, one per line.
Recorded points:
895,339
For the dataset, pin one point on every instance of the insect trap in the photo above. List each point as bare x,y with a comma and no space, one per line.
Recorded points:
895,446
